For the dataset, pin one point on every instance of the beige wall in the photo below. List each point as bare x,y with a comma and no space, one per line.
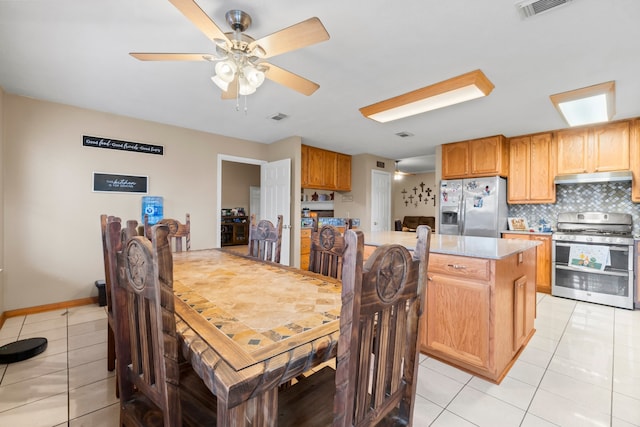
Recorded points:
236,180
423,198
357,203
2,225
51,217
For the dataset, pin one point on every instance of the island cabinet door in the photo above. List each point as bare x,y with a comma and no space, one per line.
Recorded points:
458,326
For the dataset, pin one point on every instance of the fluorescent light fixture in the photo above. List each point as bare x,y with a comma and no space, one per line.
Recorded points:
592,104
449,92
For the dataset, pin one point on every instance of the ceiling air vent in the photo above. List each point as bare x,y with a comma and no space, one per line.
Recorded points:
278,116
529,8
404,134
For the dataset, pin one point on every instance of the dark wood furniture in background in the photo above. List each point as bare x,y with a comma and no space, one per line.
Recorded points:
234,230
377,367
265,239
154,388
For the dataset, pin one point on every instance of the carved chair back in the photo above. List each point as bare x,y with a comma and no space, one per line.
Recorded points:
327,251
265,239
179,234
378,354
146,342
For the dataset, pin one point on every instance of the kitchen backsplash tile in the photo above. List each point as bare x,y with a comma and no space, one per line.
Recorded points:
605,197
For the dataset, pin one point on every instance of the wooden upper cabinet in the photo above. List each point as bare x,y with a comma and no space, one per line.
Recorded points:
519,169
572,151
475,158
489,156
325,170
603,148
343,172
531,169
611,147
634,151
455,160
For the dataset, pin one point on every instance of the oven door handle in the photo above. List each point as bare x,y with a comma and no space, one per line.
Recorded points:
582,270
611,248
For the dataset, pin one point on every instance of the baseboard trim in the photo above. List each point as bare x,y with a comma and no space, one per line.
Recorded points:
46,307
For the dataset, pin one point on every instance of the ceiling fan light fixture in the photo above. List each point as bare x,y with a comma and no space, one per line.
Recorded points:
587,105
224,86
226,70
245,88
455,90
253,76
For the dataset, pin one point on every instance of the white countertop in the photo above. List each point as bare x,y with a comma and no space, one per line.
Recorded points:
476,247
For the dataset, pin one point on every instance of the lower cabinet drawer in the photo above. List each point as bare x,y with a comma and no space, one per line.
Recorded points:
472,268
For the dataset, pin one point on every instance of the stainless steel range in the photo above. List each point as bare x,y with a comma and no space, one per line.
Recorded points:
592,258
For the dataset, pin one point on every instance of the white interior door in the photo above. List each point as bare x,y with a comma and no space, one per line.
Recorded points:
380,201
275,199
254,201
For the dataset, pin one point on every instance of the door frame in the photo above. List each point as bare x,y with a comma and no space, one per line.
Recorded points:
228,158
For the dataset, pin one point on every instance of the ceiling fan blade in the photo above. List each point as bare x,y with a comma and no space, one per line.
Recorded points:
142,56
302,34
192,11
290,80
232,90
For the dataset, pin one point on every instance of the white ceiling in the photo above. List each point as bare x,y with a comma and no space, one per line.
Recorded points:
76,52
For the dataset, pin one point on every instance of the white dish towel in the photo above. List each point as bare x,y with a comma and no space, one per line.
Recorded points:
589,256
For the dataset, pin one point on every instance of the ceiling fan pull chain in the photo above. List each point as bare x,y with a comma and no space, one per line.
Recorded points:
237,94
245,105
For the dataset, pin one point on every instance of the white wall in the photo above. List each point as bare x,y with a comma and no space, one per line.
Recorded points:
51,228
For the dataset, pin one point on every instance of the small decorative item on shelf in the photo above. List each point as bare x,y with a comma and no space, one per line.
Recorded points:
314,196
240,211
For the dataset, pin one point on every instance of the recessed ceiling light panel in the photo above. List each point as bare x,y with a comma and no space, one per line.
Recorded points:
448,92
592,104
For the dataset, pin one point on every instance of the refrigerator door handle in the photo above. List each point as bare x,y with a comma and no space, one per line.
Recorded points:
461,224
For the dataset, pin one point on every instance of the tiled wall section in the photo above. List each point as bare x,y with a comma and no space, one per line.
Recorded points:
603,197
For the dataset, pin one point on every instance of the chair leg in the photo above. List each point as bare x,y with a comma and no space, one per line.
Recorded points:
111,355
111,350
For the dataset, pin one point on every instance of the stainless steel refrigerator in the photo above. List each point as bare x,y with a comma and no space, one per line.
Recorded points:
473,206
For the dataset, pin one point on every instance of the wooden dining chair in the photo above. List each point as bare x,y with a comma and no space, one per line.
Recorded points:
155,388
178,233
376,372
327,251
111,349
265,239
129,231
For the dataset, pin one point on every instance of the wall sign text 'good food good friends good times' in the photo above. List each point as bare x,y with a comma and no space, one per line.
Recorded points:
114,144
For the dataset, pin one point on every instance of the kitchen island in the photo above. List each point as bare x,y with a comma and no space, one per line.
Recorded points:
480,299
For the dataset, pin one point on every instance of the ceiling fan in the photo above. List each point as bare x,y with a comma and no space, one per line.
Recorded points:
240,67
398,174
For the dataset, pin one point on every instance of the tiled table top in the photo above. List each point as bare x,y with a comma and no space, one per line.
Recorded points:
259,306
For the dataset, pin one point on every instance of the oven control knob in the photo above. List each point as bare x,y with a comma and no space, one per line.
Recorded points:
589,239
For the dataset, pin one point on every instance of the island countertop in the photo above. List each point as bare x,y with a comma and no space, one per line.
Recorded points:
468,246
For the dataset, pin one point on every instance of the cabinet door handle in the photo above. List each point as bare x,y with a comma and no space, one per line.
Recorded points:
457,266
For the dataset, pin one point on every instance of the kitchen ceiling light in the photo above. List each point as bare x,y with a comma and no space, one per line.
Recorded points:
455,90
592,104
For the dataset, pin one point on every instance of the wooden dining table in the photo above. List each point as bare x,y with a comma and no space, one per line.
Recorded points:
248,326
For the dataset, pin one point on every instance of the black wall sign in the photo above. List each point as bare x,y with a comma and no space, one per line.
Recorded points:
119,183
114,144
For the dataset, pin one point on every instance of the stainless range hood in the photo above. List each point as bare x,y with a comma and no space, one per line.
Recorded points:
587,178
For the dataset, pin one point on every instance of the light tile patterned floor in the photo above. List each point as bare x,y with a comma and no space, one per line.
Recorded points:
582,368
